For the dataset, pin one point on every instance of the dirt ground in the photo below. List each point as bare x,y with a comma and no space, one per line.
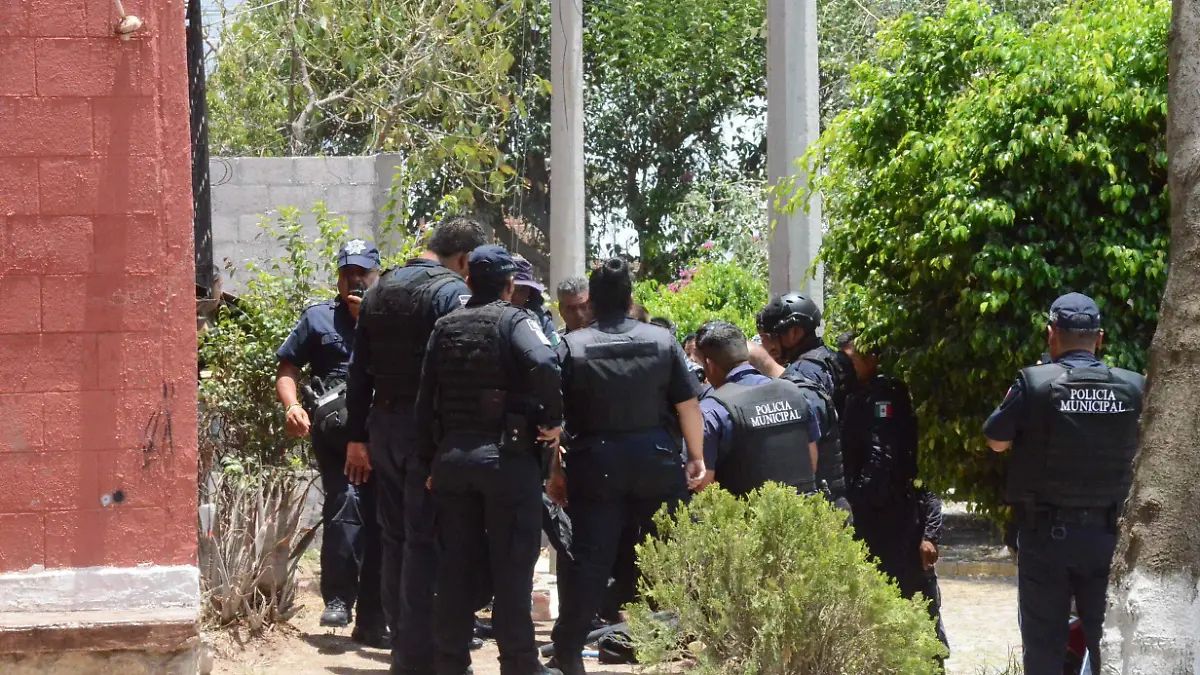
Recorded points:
980,617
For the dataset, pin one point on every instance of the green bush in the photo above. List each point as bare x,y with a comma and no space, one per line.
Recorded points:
774,584
706,291
983,170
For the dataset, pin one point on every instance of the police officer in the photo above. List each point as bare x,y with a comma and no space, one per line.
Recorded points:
573,304
787,332
1072,426
900,523
528,295
397,317
756,429
628,396
322,340
490,391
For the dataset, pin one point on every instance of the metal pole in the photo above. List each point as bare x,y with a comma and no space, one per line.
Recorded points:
793,122
567,235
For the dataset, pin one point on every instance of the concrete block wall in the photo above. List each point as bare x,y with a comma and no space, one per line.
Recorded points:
249,189
98,335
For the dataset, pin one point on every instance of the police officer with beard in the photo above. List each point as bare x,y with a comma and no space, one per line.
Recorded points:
489,393
1072,428
350,549
628,397
756,429
900,523
396,320
787,330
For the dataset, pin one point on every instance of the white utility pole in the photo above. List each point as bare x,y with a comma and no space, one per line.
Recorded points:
568,239
793,122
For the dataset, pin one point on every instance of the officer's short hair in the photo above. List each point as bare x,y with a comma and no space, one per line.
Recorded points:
845,340
664,322
572,286
610,287
1078,339
722,343
456,235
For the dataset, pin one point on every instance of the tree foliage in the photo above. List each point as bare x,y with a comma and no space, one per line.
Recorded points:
428,80
774,584
983,170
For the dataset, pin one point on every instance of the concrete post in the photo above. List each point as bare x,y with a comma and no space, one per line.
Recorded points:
793,122
568,239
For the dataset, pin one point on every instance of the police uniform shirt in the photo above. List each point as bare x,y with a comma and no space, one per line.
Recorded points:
718,425
1005,422
322,339
811,371
879,439
535,375
361,386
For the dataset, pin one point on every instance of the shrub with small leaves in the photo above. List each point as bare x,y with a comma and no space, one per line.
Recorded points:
771,585
706,291
983,170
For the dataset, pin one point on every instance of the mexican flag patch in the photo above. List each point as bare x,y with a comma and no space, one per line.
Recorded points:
883,410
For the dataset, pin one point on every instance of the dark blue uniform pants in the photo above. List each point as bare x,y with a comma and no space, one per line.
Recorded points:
406,520
610,481
1053,567
489,512
893,536
350,547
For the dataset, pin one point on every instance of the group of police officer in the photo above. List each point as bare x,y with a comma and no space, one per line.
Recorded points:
469,425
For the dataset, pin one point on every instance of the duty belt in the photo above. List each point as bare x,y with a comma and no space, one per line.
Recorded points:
1057,518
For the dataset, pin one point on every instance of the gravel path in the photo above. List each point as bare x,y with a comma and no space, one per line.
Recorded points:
980,617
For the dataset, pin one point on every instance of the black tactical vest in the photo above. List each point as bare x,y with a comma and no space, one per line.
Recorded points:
472,381
1077,446
840,371
618,381
831,469
770,437
397,324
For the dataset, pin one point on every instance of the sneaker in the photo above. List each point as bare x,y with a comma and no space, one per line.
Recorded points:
375,638
336,615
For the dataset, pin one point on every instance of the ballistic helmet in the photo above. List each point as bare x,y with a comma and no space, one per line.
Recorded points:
787,310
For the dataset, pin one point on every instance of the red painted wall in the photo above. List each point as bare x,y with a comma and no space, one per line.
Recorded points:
97,304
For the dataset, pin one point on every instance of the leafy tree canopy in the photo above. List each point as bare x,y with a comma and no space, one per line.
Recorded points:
982,171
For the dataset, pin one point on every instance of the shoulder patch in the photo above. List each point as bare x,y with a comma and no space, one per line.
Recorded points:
537,330
463,300
884,410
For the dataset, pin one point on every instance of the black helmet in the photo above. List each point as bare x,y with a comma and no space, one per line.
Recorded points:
787,310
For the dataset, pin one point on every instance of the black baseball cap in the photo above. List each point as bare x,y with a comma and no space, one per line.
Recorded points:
491,260
360,253
1075,312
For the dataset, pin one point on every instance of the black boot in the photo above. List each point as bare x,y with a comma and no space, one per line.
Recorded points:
376,638
570,665
336,614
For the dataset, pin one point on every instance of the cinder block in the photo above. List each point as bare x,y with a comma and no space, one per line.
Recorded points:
109,537
332,170
36,482
130,360
96,67
18,184
40,127
125,126
225,227
22,541
57,18
50,245
144,479
101,303
237,200
22,429
349,199
102,15
18,298
264,171
18,76
14,21
301,197
253,228
98,185
125,244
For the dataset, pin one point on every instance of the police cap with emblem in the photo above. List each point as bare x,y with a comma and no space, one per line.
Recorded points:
359,253
491,262
1075,312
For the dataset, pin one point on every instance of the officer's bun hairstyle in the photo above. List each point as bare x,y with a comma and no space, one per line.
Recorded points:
610,287
456,235
722,343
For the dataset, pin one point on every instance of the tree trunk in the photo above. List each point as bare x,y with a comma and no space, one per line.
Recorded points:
1153,622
